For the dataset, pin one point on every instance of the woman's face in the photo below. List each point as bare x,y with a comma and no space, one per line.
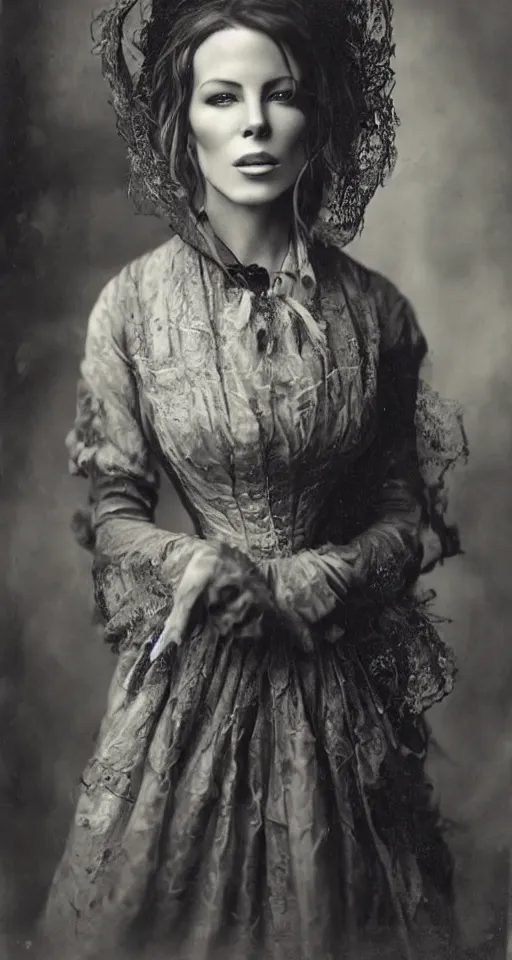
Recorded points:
246,124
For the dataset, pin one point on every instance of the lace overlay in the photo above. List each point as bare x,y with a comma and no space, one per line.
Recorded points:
442,446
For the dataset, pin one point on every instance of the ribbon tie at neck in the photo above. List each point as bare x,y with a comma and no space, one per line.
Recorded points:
252,277
256,279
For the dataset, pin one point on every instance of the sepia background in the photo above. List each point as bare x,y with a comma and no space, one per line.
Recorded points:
442,230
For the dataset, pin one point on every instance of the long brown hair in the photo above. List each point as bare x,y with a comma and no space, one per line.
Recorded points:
331,116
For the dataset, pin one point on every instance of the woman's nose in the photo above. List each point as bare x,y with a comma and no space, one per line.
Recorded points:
255,122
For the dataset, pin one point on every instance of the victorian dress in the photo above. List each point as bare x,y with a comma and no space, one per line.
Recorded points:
255,800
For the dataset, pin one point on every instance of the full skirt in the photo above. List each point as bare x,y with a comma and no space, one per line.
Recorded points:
249,802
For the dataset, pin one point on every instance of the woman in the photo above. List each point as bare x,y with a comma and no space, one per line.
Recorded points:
257,789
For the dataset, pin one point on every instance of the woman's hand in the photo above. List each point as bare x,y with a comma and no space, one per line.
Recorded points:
222,586
309,584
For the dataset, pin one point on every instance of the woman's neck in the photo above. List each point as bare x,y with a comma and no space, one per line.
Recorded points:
256,234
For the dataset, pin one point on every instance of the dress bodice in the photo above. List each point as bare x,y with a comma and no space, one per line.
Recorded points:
253,420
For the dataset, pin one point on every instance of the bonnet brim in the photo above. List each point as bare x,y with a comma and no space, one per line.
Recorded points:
360,29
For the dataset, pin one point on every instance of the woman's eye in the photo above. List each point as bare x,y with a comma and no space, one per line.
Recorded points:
283,96
221,99
225,99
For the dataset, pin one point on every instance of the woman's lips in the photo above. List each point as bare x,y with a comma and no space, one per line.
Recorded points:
256,159
257,164
257,169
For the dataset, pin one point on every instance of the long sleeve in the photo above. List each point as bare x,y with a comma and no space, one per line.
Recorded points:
385,557
109,447
384,502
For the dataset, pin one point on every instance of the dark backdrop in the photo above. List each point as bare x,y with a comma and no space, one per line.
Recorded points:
442,230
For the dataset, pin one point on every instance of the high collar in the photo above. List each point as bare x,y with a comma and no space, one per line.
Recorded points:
295,278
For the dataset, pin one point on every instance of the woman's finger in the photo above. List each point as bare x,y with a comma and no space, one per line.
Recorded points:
193,584
178,622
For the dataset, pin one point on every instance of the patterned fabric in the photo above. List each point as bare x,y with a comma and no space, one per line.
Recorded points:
249,799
